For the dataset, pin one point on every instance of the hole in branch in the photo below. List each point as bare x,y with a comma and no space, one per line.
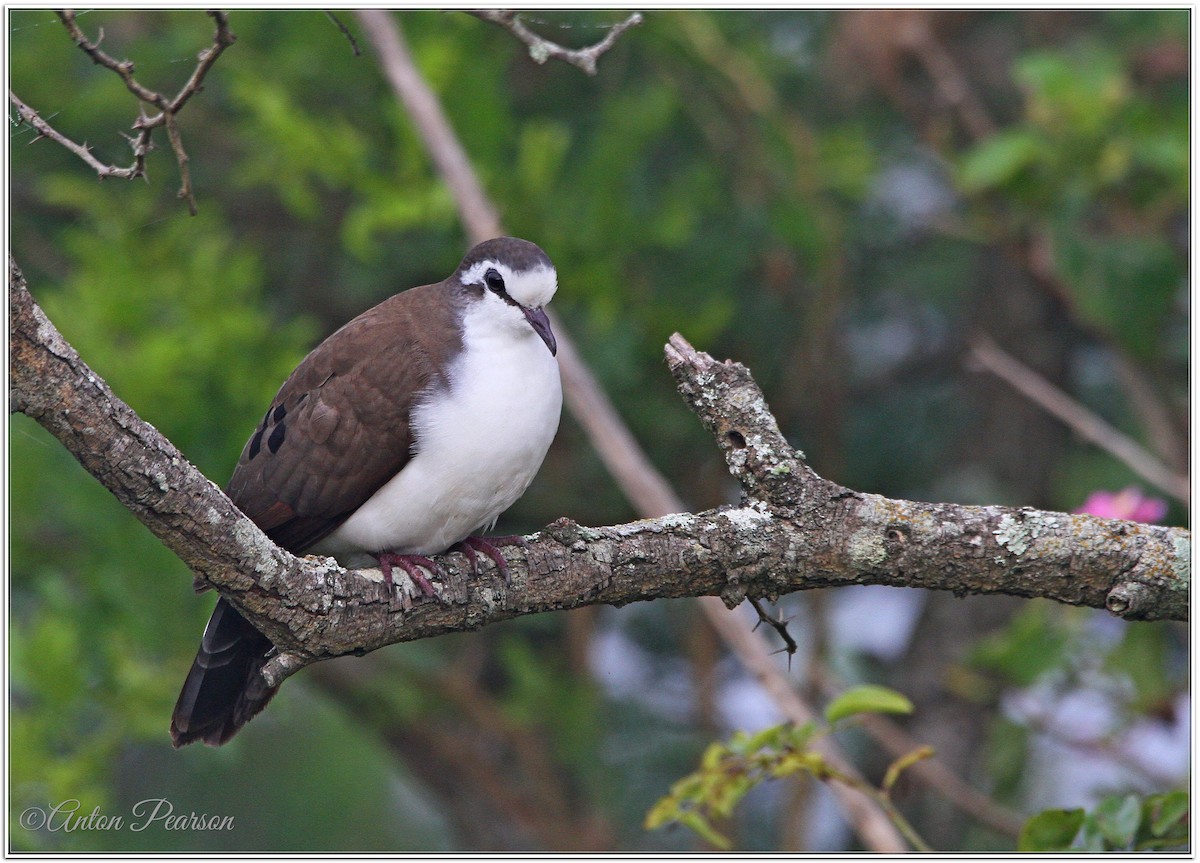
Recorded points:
735,439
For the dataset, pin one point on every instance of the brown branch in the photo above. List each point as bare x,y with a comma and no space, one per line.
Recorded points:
144,126
541,50
795,531
916,34
222,39
1086,424
123,68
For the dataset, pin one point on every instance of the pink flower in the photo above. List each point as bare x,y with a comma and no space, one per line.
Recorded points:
1129,504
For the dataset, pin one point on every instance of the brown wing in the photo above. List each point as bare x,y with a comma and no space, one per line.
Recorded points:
338,428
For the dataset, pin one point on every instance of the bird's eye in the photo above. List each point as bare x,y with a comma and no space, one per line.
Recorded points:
495,281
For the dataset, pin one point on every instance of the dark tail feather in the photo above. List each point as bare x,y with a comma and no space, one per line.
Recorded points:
224,689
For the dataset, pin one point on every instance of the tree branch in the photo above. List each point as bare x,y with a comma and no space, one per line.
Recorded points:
541,50
793,531
144,125
83,151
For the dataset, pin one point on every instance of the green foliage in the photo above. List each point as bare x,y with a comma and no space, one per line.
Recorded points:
1089,136
729,771
1033,643
1051,830
723,176
1118,823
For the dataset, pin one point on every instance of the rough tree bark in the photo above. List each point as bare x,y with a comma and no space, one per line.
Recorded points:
793,530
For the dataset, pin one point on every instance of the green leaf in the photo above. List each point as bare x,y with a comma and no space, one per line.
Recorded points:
725,795
713,755
1117,819
1032,644
798,736
867,699
700,825
1051,830
747,744
998,160
662,812
1166,810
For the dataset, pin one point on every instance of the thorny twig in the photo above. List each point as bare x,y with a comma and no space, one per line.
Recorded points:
144,126
541,50
83,151
779,625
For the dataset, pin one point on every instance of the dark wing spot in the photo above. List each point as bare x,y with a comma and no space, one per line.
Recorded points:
275,441
279,414
255,444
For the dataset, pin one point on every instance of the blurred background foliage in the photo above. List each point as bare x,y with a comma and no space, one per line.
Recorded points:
840,200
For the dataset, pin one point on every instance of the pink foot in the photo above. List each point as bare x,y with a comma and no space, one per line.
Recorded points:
410,563
491,547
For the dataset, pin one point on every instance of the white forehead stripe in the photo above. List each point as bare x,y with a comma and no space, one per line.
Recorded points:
531,288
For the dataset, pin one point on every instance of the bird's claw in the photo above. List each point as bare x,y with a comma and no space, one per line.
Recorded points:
411,564
491,547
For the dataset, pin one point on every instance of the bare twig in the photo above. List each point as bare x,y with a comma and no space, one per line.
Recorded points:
952,85
541,50
1050,398
124,68
166,109
222,39
83,151
337,22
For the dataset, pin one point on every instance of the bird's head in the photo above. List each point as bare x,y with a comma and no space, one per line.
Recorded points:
512,276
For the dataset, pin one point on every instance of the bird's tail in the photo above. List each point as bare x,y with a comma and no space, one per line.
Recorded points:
224,689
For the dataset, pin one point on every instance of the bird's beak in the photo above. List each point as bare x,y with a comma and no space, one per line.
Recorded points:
541,325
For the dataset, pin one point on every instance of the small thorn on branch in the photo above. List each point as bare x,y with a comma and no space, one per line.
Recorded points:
779,624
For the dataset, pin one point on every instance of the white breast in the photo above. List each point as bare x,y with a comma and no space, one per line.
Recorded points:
479,445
